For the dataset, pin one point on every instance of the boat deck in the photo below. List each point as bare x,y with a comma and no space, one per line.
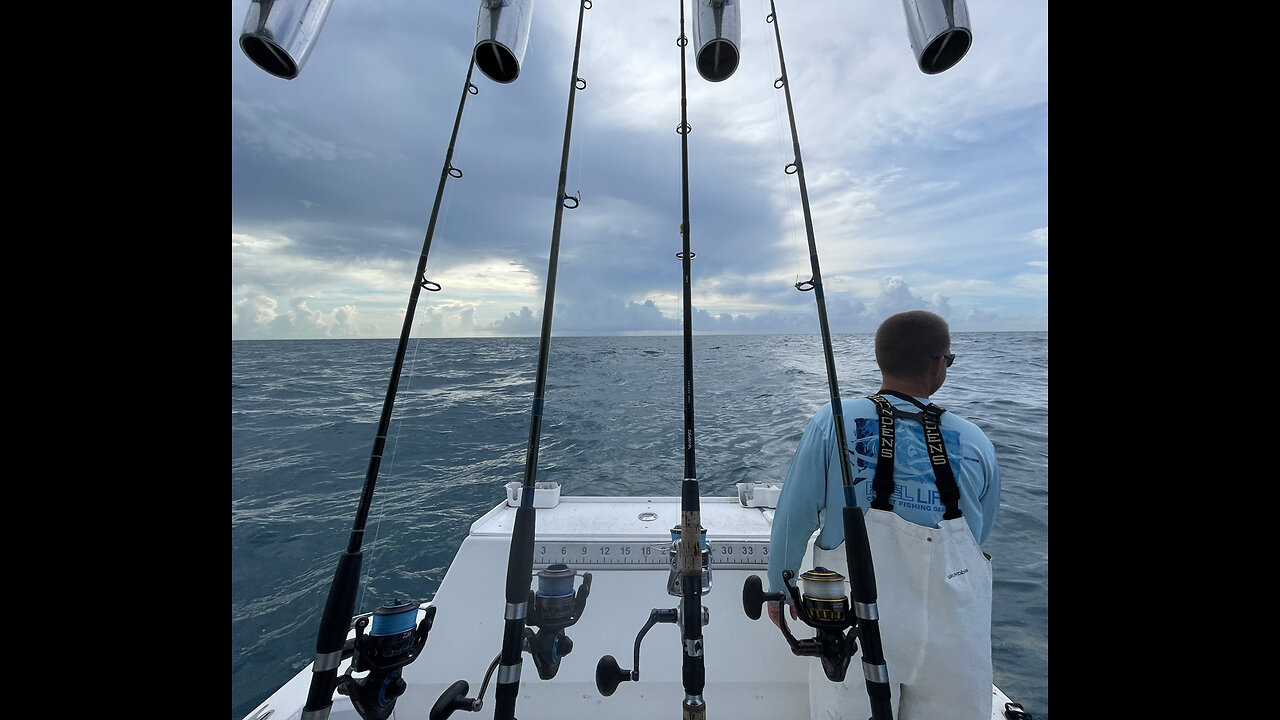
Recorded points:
750,670
622,542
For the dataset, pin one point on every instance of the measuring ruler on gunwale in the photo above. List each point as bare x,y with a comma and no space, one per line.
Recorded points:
640,555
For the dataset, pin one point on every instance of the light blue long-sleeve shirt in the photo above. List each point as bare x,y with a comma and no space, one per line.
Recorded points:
813,492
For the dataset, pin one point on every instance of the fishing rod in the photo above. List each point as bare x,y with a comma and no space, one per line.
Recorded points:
822,610
692,534
689,554
392,642
555,606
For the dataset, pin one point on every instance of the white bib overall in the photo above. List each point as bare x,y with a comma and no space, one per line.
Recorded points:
934,598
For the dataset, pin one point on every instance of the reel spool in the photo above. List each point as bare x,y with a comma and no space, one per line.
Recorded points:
392,642
554,607
673,560
823,598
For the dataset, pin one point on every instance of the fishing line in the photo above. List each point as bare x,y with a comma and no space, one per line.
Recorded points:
580,151
340,604
793,233
857,544
389,477
394,442
445,203
787,227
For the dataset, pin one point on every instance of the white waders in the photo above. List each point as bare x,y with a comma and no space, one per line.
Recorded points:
934,598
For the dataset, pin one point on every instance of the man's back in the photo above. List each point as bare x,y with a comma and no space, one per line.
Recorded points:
915,497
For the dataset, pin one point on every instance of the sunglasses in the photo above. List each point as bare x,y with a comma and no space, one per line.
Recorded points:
951,357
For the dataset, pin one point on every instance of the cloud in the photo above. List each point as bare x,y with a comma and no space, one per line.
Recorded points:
519,323
255,317
262,129
940,182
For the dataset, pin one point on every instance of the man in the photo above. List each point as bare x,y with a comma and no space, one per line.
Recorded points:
933,581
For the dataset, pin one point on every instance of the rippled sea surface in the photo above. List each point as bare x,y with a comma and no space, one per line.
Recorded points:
304,415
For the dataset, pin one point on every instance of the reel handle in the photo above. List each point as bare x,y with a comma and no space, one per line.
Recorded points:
754,597
609,675
453,699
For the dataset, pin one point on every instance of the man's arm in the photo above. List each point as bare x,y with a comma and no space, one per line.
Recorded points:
990,499
801,501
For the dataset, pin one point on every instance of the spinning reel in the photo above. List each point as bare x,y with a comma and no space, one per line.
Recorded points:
823,606
552,608
608,674
391,643
555,607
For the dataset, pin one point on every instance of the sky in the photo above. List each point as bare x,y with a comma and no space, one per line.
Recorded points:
924,191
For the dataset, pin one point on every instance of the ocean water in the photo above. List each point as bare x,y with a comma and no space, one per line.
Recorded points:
304,415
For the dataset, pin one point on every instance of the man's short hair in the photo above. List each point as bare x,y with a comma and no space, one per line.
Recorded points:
908,342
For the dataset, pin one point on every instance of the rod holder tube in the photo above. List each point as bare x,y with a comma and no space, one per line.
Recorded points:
502,37
278,35
717,35
939,32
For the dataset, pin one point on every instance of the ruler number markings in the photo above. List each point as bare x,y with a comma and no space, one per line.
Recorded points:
638,554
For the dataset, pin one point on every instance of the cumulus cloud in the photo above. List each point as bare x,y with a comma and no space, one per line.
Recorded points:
521,323
896,297
256,317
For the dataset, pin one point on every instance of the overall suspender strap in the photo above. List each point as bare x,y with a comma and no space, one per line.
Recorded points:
882,485
930,417
944,476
